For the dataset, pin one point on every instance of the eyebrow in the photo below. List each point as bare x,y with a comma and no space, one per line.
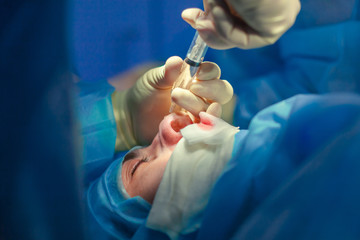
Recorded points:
133,154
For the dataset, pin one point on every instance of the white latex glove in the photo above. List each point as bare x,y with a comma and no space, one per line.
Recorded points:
206,93
139,110
244,24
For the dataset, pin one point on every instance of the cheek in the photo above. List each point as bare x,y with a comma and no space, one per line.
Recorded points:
148,178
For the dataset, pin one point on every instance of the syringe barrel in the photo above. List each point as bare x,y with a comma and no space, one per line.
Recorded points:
194,58
197,51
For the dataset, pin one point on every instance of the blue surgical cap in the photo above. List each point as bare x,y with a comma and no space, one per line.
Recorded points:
112,208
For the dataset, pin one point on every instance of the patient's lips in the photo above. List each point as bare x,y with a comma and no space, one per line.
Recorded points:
169,128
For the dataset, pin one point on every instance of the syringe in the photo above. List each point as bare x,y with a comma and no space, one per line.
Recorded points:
194,58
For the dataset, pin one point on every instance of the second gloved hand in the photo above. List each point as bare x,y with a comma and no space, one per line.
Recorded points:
139,110
206,92
244,24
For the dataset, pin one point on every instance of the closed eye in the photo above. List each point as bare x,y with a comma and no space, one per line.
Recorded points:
145,159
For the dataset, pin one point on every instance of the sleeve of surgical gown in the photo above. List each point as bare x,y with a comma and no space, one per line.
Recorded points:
293,176
98,127
317,59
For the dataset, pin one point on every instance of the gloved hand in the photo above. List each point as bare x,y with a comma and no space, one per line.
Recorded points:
244,24
139,110
204,94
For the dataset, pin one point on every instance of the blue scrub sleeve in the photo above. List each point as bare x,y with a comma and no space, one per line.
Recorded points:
98,127
320,59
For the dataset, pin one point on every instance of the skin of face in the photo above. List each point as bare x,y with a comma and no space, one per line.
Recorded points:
142,169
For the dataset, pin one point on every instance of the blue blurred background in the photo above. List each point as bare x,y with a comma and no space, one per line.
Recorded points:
113,36
110,37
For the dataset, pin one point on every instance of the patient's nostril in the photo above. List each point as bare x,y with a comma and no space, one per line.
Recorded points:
177,126
180,123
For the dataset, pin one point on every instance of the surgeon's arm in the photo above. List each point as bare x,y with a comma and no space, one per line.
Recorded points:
242,23
139,110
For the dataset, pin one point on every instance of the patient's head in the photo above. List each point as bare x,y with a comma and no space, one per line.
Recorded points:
143,168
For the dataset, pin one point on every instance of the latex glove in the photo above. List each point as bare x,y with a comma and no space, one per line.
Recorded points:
204,94
139,110
242,23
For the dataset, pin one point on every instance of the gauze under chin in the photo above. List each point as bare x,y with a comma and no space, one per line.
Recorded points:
190,174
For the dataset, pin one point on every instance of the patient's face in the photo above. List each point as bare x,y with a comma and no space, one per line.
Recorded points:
143,168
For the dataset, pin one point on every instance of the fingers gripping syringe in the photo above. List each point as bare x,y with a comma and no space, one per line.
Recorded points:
194,57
